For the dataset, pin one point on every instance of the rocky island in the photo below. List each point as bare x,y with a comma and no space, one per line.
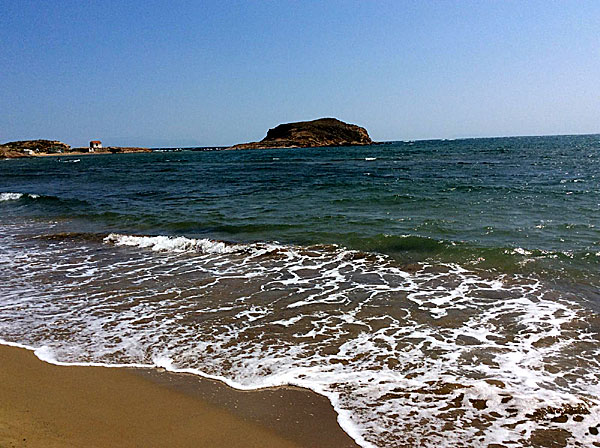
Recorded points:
308,134
25,148
33,148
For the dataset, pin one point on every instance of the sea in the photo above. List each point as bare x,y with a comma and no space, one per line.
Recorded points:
441,293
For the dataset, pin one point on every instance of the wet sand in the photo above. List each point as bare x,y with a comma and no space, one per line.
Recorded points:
55,406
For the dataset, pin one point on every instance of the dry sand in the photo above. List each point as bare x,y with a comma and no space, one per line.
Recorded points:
44,405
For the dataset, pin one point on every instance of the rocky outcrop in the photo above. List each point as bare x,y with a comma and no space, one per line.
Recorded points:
6,153
308,134
37,146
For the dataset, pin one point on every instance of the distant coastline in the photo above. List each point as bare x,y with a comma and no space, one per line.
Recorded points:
322,132
23,149
43,148
109,150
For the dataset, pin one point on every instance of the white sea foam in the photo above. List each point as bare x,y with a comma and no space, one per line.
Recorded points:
401,355
519,251
16,196
10,196
174,244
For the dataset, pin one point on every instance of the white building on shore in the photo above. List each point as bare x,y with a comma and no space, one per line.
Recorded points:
95,144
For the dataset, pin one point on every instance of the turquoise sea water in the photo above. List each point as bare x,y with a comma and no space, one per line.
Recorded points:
410,282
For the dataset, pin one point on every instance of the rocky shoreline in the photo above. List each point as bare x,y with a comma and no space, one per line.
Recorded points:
41,148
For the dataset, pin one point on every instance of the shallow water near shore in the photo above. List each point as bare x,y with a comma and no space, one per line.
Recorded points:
438,293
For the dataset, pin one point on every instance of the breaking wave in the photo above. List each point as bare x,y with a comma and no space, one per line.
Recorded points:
16,196
175,244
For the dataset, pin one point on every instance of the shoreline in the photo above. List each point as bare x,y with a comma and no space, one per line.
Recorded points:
72,153
66,154
44,404
95,153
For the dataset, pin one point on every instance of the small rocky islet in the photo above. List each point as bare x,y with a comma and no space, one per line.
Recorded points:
310,134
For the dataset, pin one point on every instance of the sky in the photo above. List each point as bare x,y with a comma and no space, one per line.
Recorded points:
196,73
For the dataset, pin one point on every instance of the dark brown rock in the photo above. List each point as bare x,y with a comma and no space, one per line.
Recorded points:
308,134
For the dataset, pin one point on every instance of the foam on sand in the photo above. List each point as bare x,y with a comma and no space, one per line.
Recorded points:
435,356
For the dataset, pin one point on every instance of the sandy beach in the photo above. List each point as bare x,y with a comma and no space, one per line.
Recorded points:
55,406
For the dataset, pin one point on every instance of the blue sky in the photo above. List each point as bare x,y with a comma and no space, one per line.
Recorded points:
221,72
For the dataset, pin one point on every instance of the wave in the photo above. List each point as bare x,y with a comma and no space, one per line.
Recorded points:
8,196
173,244
379,244
402,250
40,198
49,204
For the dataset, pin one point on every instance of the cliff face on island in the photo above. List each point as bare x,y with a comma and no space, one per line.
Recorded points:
308,134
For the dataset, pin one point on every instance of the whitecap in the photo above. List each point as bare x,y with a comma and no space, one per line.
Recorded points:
10,196
16,196
172,244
